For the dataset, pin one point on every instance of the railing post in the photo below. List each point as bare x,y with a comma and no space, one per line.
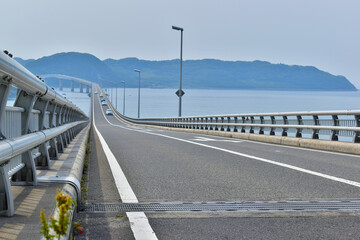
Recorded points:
222,126
273,122
315,134
216,126
335,133
357,134
27,102
228,127
299,130
27,175
211,126
261,130
286,122
243,127
44,159
251,121
60,140
53,151
6,197
4,95
235,121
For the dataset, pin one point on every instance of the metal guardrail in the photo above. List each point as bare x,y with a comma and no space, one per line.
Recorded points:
39,126
329,125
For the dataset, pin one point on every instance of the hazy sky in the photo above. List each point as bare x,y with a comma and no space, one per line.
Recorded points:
321,33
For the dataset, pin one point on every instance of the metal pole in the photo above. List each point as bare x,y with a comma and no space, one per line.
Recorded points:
180,73
124,100
139,98
180,92
116,97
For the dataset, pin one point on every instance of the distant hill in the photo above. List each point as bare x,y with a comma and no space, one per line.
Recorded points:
206,73
81,65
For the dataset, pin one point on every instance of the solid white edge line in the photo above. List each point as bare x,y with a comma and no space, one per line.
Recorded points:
326,176
139,223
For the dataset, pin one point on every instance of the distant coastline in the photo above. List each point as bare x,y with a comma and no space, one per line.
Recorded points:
197,74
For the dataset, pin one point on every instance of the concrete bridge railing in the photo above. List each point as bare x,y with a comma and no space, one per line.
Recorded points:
39,126
327,125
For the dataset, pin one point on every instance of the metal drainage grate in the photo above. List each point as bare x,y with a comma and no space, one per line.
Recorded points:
223,206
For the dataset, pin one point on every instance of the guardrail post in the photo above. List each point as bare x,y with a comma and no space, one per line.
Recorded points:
243,119
235,121
6,197
53,150
261,130
60,140
299,130
315,134
42,106
216,126
197,123
27,102
211,126
273,121
222,126
228,127
4,95
251,128
286,122
335,133
27,175
357,134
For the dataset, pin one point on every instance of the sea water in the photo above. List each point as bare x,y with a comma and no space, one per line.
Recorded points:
196,102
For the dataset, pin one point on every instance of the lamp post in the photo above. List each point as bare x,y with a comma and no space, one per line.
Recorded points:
116,97
124,98
180,91
138,93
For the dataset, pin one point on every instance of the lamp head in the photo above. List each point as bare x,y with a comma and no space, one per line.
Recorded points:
177,28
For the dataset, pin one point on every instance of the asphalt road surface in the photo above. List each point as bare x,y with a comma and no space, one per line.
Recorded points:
166,166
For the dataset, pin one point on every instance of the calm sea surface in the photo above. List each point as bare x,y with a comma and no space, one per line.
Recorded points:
164,102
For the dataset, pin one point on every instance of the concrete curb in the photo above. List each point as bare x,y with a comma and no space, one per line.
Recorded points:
76,171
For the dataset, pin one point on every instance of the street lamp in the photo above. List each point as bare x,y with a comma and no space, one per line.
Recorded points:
124,99
138,93
180,92
116,96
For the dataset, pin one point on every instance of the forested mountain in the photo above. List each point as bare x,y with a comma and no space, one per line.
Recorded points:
206,73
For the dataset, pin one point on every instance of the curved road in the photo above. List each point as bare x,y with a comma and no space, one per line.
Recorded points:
166,166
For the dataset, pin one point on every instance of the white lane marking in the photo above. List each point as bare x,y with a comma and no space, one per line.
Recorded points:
326,176
205,139
139,223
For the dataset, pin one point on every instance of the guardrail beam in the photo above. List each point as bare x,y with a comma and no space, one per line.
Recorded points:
25,101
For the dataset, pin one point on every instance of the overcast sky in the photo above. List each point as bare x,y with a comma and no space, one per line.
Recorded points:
320,33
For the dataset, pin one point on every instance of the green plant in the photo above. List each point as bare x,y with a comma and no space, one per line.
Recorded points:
61,224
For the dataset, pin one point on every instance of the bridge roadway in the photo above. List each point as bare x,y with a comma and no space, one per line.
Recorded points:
167,166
